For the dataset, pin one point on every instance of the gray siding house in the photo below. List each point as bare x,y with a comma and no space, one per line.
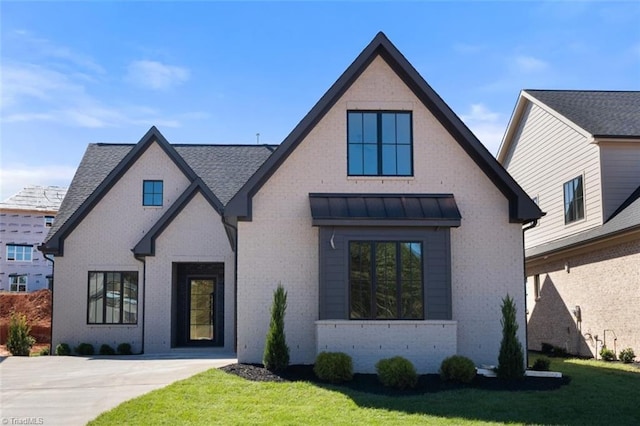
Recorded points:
577,153
25,220
374,214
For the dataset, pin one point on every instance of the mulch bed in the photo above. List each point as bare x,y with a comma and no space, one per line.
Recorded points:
369,383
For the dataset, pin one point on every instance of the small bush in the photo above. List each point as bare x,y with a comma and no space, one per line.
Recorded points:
397,372
554,351
19,342
63,349
106,350
457,368
44,351
124,349
334,367
607,354
85,349
541,364
627,355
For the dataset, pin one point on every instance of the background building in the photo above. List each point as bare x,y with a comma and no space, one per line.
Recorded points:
25,220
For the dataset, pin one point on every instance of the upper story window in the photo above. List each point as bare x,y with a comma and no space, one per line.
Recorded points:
573,200
152,193
385,280
19,253
380,143
48,221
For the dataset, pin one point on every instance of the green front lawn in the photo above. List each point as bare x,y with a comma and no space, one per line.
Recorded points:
599,393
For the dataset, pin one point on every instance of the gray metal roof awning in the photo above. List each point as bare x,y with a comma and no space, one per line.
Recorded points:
384,210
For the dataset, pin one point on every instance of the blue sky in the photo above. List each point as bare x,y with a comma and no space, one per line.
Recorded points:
212,72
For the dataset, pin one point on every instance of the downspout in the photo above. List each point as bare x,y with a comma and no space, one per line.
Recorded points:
144,295
53,280
234,248
524,270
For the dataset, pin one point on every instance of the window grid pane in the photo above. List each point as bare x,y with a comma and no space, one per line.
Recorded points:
360,279
152,192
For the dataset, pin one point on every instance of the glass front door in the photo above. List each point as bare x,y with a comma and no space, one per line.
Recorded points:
202,309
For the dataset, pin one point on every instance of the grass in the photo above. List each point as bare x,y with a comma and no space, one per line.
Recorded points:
599,393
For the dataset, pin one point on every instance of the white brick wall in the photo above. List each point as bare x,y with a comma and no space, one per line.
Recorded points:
103,242
280,245
424,343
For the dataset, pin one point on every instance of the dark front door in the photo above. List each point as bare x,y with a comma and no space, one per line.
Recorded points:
199,307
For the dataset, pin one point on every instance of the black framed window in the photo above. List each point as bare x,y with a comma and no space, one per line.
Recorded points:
19,253
573,200
48,221
152,192
113,298
379,143
386,280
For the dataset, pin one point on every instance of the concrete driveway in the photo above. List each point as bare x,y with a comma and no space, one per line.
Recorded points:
65,390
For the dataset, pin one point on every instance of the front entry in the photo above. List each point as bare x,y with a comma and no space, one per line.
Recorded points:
199,304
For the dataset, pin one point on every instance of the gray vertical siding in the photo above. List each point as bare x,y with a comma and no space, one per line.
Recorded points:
334,267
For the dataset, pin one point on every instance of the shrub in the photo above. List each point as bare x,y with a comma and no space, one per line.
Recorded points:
276,351
553,351
63,349
44,351
397,372
85,349
511,358
607,354
106,350
334,367
124,349
457,368
19,342
627,355
541,364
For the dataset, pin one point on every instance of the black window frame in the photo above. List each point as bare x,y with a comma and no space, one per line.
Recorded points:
153,193
574,207
380,144
373,314
104,297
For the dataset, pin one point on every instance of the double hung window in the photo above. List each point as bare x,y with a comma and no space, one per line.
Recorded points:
18,283
573,200
19,253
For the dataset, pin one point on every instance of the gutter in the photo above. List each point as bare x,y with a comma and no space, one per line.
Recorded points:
53,280
234,247
531,225
144,295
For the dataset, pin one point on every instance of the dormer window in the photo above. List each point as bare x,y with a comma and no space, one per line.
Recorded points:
152,193
380,143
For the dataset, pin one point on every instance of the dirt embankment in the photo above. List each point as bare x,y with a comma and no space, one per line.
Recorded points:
37,308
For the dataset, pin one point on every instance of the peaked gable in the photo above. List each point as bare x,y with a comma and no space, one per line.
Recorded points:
521,208
55,240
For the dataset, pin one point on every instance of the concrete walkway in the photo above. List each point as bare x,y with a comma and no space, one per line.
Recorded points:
60,390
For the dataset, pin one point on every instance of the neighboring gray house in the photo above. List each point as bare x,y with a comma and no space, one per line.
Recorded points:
577,153
375,214
25,220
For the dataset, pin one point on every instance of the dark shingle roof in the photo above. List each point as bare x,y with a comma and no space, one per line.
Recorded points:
601,113
223,168
625,219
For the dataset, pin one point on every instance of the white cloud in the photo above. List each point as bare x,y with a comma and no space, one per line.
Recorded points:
155,75
15,178
488,126
525,63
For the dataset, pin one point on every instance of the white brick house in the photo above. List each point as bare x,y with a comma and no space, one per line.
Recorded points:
375,214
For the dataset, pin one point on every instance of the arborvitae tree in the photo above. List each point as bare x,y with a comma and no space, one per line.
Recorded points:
511,358
276,351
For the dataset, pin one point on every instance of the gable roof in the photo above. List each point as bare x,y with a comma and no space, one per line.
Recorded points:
593,113
625,219
611,114
521,208
220,169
